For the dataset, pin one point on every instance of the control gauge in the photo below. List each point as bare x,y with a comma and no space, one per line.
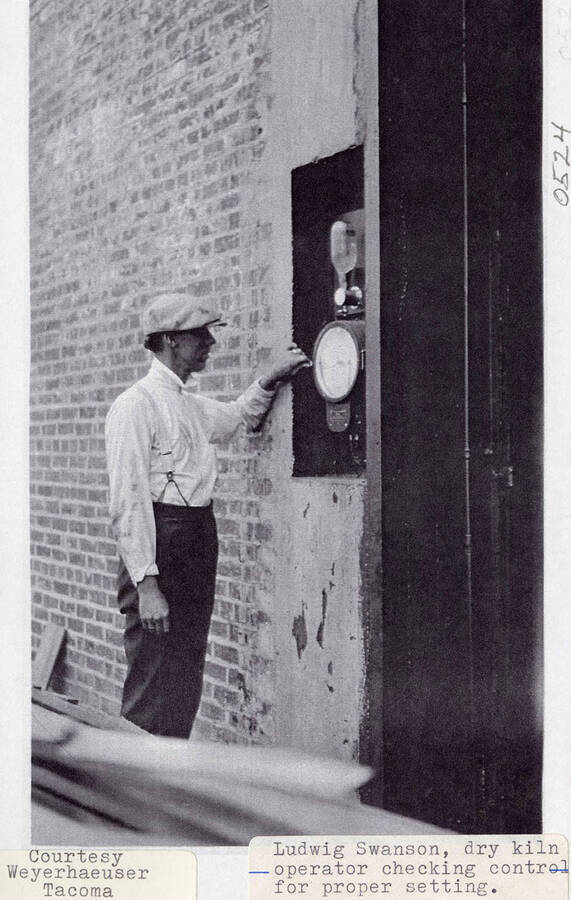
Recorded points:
337,363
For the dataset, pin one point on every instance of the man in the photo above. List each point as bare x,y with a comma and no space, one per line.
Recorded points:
162,471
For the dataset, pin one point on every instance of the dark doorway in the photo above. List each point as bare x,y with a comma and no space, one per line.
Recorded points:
457,734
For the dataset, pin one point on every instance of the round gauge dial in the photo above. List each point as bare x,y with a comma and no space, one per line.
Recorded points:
336,362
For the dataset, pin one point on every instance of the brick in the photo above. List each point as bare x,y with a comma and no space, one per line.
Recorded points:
215,671
95,631
229,654
210,711
226,697
219,629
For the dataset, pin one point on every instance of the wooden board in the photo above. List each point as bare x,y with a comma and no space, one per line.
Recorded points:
46,657
70,707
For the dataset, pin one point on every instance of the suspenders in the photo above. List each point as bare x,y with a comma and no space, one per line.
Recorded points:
165,451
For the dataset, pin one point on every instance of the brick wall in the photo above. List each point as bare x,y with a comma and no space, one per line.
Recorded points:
146,121
161,147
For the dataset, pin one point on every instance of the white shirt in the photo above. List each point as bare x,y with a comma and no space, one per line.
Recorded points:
189,425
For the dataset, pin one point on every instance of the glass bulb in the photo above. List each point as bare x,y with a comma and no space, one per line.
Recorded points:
343,249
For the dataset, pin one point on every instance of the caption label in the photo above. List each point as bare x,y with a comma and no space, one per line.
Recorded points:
120,874
499,866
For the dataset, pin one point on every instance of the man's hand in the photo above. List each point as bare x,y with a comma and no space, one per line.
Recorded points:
153,607
287,364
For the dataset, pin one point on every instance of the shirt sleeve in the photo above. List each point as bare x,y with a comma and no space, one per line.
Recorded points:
223,418
128,441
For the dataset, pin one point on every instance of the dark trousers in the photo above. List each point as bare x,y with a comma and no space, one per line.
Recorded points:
164,676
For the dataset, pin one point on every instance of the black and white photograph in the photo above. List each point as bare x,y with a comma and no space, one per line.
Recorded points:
285,462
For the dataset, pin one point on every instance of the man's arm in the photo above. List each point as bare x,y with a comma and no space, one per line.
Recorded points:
284,367
250,408
128,439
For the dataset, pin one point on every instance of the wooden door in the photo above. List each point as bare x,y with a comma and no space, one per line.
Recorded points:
456,732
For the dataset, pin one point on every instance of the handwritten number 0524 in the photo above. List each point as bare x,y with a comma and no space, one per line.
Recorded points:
561,194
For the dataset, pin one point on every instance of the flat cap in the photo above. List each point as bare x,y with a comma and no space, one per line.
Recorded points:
176,311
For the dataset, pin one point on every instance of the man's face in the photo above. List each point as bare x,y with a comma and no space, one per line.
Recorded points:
193,348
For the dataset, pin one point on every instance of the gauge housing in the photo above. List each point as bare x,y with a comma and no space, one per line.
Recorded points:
338,359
